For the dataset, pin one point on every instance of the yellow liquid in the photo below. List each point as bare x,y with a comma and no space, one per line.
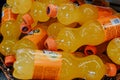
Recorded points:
66,13
113,50
54,29
89,68
20,6
24,43
90,33
38,12
19,19
10,32
69,13
87,12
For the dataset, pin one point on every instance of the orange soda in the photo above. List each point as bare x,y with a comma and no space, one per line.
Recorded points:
93,32
45,64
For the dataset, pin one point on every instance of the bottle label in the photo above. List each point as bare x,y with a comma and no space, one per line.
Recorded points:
8,15
111,26
104,11
47,65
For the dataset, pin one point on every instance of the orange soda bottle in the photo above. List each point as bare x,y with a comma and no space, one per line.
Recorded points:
70,13
51,65
90,33
113,50
10,32
20,6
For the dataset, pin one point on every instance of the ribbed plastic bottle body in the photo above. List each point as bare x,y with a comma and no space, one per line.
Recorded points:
91,67
54,29
87,12
24,64
66,13
24,43
20,6
11,33
70,39
38,11
113,50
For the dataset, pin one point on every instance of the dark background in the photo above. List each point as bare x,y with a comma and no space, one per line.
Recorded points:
1,4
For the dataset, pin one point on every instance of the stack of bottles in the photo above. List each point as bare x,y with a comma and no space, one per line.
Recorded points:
60,39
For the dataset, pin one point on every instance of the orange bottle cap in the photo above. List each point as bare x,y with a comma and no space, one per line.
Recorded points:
52,10
38,36
24,28
90,50
50,44
111,69
9,60
27,18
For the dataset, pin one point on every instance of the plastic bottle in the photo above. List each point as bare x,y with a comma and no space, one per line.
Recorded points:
38,12
20,6
70,13
90,33
113,50
52,65
9,30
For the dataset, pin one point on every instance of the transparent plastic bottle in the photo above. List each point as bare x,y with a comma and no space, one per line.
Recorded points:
113,50
92,32
66,66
